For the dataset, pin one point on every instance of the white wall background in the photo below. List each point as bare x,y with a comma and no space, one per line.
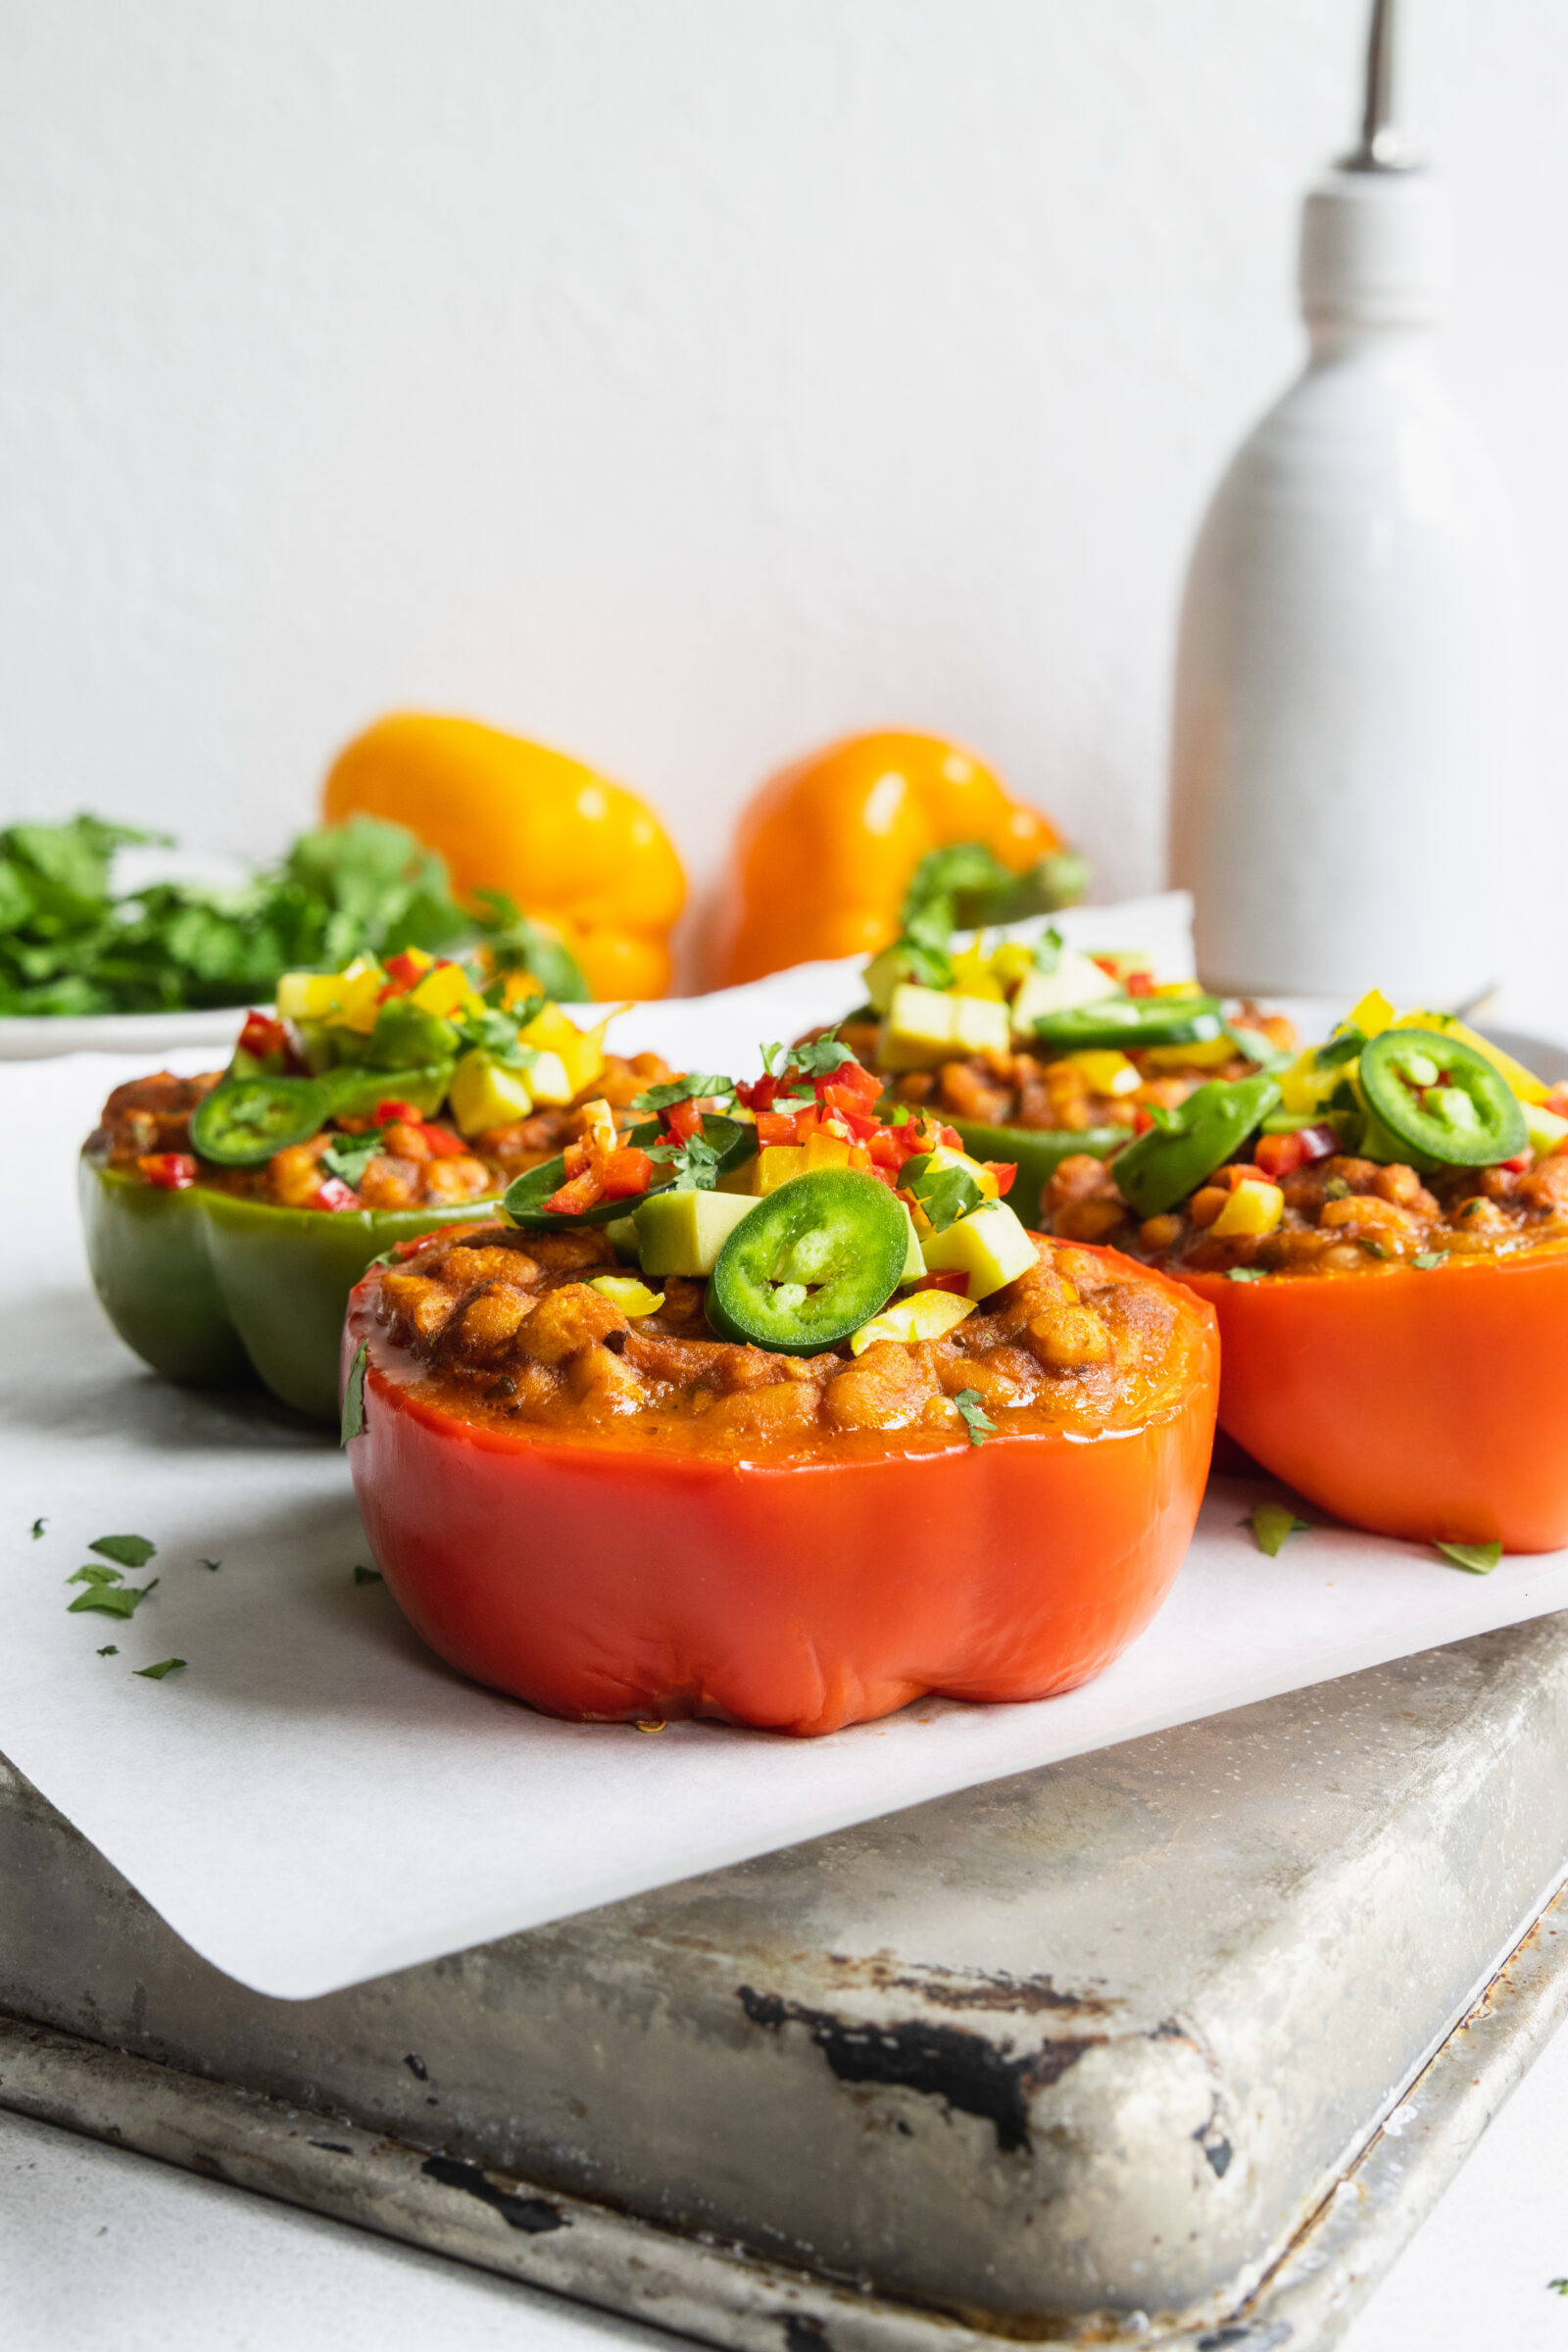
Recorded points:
683,381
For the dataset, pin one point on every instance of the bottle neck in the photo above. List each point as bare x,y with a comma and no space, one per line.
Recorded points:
1374,262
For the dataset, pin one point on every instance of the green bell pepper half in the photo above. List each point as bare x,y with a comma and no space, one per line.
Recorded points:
1036,1152
212,1291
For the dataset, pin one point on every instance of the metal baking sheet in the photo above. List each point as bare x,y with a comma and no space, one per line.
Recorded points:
1080,2054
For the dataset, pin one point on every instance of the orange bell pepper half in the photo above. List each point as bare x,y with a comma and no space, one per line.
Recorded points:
1427,1404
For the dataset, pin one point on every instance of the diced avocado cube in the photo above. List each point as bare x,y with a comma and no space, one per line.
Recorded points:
989,1245
683,1233
548,1080
484,1093
1076,980
918,1030
621,1235
980,1025
1543,1127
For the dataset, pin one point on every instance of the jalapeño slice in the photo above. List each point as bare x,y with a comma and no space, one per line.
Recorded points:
243,1121
1440,1100
1168,1162
734,1141
812,1263
1131,1022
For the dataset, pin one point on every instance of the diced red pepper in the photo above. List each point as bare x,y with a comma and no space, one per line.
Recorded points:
333,1192
848,1105
774,1127
1004,1170
1280,1154
391,1113
950,1137
1517,1168
887,1148
167,1171
958,1284
850,1078
444,1145
444,1233
261,1037
623,1172
757,1093
576,1195
683,1120
1143,1119
1140,984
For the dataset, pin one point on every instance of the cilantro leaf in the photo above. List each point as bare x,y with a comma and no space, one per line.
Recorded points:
1429,1258
694,1162
347,1157
770,1055
38,1527
977,1421
132,1552
1271,1523
111,1600
495,1031
156,1674
354,1394
109,1650
209,1563
367,1576
691,1089
1247,1273
820,1057
1479,1558
91,1573
945,1193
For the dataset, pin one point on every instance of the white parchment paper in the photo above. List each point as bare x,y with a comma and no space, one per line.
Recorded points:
317,1799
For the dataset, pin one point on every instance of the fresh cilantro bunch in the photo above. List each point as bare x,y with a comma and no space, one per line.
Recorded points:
71,943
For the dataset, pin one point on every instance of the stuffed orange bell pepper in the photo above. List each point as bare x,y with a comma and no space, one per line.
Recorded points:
566,844
1382,1228
830,853
784,1449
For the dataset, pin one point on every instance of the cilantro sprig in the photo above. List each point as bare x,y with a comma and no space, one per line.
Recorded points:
1272,1524
692,1088
1478,1559
695,1163
977,1422
945,1193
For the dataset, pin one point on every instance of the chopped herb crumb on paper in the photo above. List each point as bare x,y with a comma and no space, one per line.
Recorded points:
165,1666
1477,1559
1271,1523
132,1552
214,1564
38,1527
365,1576
111,1600
109,1650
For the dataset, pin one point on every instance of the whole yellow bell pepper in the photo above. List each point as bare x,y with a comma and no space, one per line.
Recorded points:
568,846
826,851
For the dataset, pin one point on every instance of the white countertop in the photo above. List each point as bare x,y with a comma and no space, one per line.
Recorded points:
100,2247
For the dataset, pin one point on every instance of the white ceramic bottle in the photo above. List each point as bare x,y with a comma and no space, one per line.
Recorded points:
1351,737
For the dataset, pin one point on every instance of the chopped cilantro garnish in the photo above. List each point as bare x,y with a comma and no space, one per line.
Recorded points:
1271,1523
693,1089
132,1552
695,1163
38,1527
820,1059
1429,1258
209,1563
1479,1558
90,1573
945,1193
156,1674
1335,1189
354,1394
1247,1273
347,1157
111,1600
976,1420
495,1031
109,1650
365,1576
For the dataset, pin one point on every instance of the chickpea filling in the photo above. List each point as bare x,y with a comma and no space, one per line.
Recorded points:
505,1327
1057,1092
1340,1215
418,1163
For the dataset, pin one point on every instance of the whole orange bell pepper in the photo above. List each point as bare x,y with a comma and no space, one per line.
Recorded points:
825,853
568,846
603,1580
1422,1404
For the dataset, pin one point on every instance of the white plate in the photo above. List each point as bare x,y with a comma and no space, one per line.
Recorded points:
35,1038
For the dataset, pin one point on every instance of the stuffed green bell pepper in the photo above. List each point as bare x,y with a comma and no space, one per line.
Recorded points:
228,1217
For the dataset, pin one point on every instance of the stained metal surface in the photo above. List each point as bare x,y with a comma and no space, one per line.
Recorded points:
1077,2054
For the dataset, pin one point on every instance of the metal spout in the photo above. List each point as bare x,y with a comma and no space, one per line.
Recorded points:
1382,144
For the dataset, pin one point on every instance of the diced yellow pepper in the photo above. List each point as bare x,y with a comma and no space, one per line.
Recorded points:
307,996
925,1316
1178,988
1254,1209
777,1164
581,1052
484,1093
360,987
1305,1088
1012,962
1107,1071
973,975
633,1298
1371,1016
445,991
598,1123
1207,1055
